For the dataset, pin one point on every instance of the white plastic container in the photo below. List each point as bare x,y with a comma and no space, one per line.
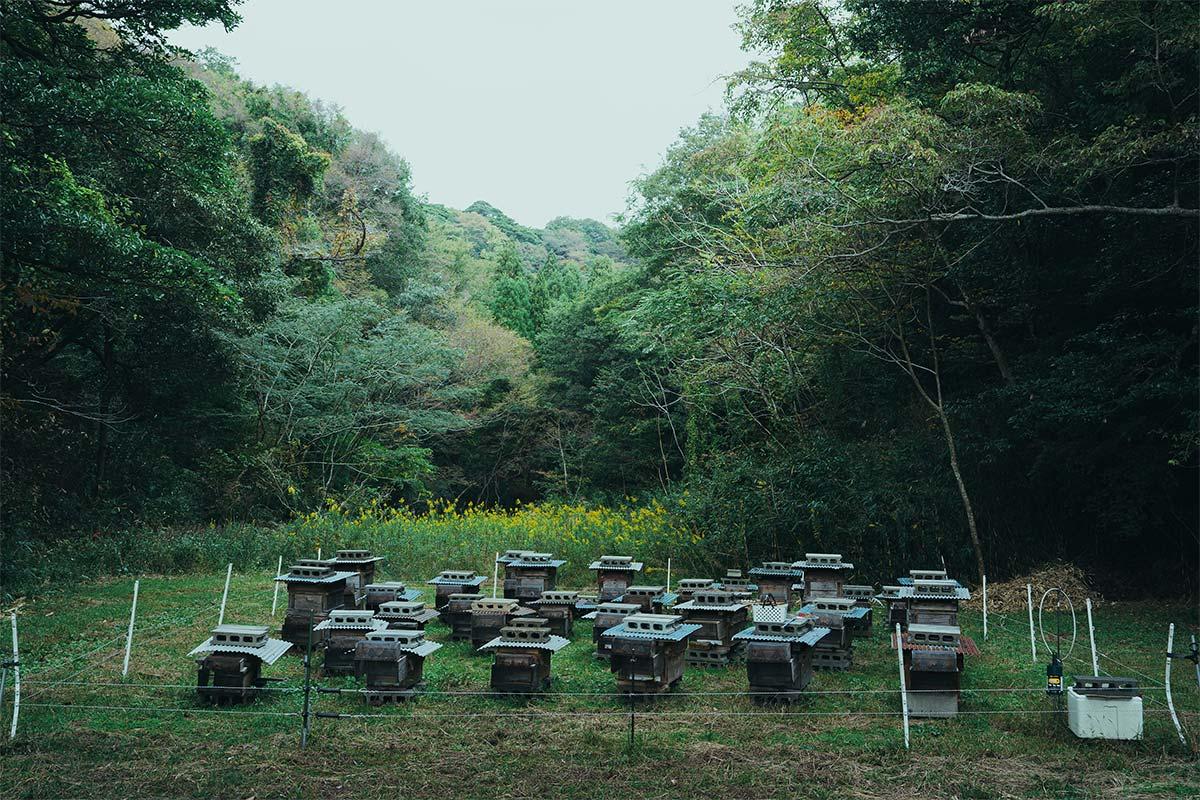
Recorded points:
1100,717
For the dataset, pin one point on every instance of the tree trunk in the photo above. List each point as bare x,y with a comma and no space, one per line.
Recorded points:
962,491
986,329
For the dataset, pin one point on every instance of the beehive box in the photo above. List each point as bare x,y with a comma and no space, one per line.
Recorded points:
557,608
490,614
614,574
528,575
689,586
824,574
377,594
779,653
933,601
454,581
719,616
835,651
647,652
522,656
776,581
362,564
933,663
314,589
340,635
608,615
391,664
860,625
229,667
457,615
647,597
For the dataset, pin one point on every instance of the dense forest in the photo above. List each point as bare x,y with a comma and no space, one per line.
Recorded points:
928,286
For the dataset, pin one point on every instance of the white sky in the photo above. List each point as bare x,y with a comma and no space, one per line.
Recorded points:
541,107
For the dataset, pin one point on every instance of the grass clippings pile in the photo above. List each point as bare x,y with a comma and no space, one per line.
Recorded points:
1008,597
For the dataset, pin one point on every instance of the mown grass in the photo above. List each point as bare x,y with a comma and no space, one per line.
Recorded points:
574,744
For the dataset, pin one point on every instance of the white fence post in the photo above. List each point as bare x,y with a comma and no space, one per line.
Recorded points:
985,608
129,635
225,594
12,731
1092,637
1029,603
903,692
495,574
275,599
1166,683
668,574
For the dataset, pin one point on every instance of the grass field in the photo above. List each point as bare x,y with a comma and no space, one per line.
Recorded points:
80,737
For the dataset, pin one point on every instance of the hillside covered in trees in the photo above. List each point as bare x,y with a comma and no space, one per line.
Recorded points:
927,289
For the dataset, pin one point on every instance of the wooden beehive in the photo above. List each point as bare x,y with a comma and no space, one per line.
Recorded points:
530,574
608,615
454,581
863,596
362,564
719,616
835,651
522,656
647,652
614,574
824,574
933,665
490,614
777,581
376,594
406,614
648,598
229,667
391,663
779,653
314,590
557,608
457,615
897,606
340,635
934,601
689,586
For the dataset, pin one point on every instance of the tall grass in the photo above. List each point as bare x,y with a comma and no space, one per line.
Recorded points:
416,543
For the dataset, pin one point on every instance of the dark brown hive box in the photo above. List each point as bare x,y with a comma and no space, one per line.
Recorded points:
490,614
614,574
835,651
557,608
608,615
719,616
340,635
779,653
229,667
528,575
647,652
824,574
376,594
391,663
362,564
314,589
522,656
457,615
777,580
454,581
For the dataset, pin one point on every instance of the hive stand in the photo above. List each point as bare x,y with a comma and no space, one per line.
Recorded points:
457,615
314,590
557,608
340,635
529,574
454,581
229,669
379,593
614,574
608,615
860,626
835,651
647,652
522,657
933,664
824,574
391,663
777,580
779,653
362,564
490,614
406,615
719,616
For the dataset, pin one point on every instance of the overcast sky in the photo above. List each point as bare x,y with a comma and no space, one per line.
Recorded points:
541,107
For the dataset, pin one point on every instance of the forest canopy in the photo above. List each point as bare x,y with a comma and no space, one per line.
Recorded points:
926,290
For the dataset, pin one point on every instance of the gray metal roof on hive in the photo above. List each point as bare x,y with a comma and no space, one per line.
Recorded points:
406,609
711,600
311,570
846,606
457,577
529,558
613,607
529,632
350,619
660,627
942,589
795,630
251,640
410,641
823,561
356,556
556,597
623,563
777,569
